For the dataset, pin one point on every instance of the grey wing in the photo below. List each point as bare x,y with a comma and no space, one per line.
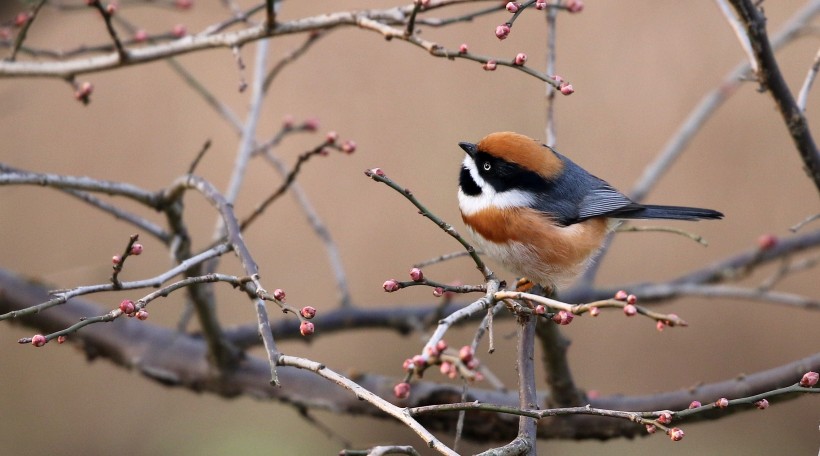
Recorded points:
605,200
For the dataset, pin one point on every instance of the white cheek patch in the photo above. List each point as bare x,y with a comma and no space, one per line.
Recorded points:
469,204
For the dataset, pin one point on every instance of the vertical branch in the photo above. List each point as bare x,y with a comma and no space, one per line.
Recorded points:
554,346
551,139
246,145
270,14
527,399
267,340
803,97
771,79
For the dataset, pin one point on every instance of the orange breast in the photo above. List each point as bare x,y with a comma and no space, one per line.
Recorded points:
528,243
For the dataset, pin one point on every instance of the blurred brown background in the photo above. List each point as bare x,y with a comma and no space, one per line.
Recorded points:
638,69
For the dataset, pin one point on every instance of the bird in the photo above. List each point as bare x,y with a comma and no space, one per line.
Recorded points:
538,213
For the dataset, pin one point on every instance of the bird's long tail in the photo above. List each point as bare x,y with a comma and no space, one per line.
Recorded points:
670,212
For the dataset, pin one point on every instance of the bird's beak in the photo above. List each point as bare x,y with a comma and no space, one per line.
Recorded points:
470,148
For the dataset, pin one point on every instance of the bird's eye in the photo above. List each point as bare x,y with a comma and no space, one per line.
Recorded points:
487,166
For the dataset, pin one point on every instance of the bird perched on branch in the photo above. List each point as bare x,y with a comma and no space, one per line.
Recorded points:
538,213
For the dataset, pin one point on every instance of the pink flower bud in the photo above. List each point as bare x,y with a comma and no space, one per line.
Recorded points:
557,78
179,30
438,292
407,364
402,390
762,404
279,294
308,312
142,314
61,340
466,353
127,306
115,259
349,146
441,345
630,310
502,31
287,122
136,249
38,340
416,275
594,311
563,317
419,362
520,58
766,241
621,295
631,299
676,434
694,404
513,7
540,309
306,328
576,6
473,364
490,65
84,91
20,20
391,285
311,124
463,48
722,402
665,418
540,4
332,137
184,4
809,379
566,89
659,325
111,8
141,36
651,428
446,367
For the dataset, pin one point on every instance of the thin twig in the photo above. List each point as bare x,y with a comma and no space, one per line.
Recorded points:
663,229
803,97
379,176
21,35
363,394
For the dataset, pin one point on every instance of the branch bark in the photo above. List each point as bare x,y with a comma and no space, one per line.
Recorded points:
771,79
180,360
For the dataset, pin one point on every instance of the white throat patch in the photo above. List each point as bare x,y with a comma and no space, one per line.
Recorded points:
469,204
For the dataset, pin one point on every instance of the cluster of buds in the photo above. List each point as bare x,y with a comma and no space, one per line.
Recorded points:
563,87
630,299
129,309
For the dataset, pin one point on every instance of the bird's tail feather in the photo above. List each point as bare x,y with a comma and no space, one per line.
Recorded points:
671,212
